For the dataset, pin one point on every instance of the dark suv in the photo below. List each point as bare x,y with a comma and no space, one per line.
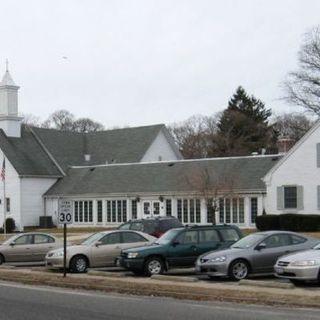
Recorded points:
179,247
153,226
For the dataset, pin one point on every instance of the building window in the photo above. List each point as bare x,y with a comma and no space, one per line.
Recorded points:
290,197
134,211
117,211
189,210
99,211
83,211
168,207
8,204
231,210
254,209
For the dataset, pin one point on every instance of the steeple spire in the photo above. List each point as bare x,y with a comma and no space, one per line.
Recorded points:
10,122
7,79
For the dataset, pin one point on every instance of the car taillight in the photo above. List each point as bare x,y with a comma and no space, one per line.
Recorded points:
157,234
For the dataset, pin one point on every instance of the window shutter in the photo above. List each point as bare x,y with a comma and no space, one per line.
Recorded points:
318,196
280,198
300,197
318,155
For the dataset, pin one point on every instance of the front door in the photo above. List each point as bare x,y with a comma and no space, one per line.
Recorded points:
151,209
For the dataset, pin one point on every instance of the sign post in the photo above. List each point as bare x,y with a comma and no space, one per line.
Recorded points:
65,217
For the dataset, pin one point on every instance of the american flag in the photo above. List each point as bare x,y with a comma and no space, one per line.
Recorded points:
3,170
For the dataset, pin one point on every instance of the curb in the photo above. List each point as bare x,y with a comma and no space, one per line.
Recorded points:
173,278
106,274
266,284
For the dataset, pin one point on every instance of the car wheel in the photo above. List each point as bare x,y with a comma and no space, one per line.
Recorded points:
153,265
238,270
1,259
79,264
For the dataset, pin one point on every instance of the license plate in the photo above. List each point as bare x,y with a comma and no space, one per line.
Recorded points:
279,270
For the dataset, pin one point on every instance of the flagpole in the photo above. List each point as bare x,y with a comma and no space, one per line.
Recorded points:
4,199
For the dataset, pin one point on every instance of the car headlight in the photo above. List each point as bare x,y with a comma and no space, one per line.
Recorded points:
219,259
57,254
132,255
304,263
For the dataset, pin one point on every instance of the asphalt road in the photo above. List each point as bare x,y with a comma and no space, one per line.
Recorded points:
19,302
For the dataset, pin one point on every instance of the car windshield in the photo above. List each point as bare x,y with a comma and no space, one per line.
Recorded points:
248,241
8,241
92,239
167,237
317,247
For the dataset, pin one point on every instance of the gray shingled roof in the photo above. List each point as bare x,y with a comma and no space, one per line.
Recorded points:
27,156
121,145
244,173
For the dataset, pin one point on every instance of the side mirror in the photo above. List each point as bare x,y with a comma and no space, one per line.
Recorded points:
98,243
12,244
175,243
261,246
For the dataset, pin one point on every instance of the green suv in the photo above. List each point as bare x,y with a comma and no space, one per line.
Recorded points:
179,247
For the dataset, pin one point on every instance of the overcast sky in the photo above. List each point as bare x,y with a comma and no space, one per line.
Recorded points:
140,62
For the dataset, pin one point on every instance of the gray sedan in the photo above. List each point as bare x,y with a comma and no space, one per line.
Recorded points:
300,266
253,254
28,247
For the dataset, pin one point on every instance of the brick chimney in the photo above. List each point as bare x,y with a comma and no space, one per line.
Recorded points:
284,144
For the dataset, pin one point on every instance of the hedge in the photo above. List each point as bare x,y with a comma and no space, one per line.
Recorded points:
289,222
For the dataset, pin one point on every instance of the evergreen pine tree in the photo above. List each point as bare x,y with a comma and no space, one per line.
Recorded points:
243,127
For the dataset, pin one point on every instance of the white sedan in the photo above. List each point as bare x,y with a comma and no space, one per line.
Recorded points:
301,266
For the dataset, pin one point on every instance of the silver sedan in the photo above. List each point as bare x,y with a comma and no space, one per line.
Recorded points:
300,266
99,250
253,254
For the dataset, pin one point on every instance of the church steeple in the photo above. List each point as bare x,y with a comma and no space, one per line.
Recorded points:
10,122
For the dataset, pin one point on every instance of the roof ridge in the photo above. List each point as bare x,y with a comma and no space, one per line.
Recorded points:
177,161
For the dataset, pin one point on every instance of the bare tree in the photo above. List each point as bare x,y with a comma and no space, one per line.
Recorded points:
86,125
212,186
292,125
31,120
194,136
302,87
61,120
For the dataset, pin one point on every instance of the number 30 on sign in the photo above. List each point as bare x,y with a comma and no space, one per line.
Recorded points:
65,212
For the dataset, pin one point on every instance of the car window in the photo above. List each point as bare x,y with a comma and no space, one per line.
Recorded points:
297,240
41,238
149,226
165,225
229,234
138,226
208,235
125,226
188,237
111,238
26,239
277,240
128,237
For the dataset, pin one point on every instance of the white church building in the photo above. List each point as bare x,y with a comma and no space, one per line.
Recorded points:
116,175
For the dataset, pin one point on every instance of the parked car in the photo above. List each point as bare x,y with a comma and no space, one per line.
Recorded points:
179,247
300,266
253,254
155,226
28,247
99,250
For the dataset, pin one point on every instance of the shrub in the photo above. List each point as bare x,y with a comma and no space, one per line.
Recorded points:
299,222
268,222
10,225
289,222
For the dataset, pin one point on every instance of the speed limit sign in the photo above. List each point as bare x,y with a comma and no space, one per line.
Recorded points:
65,212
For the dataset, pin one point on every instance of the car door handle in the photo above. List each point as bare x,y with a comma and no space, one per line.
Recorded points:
193,248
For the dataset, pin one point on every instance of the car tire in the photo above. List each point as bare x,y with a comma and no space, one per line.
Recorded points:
153,265
79,264
1,259
239,269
